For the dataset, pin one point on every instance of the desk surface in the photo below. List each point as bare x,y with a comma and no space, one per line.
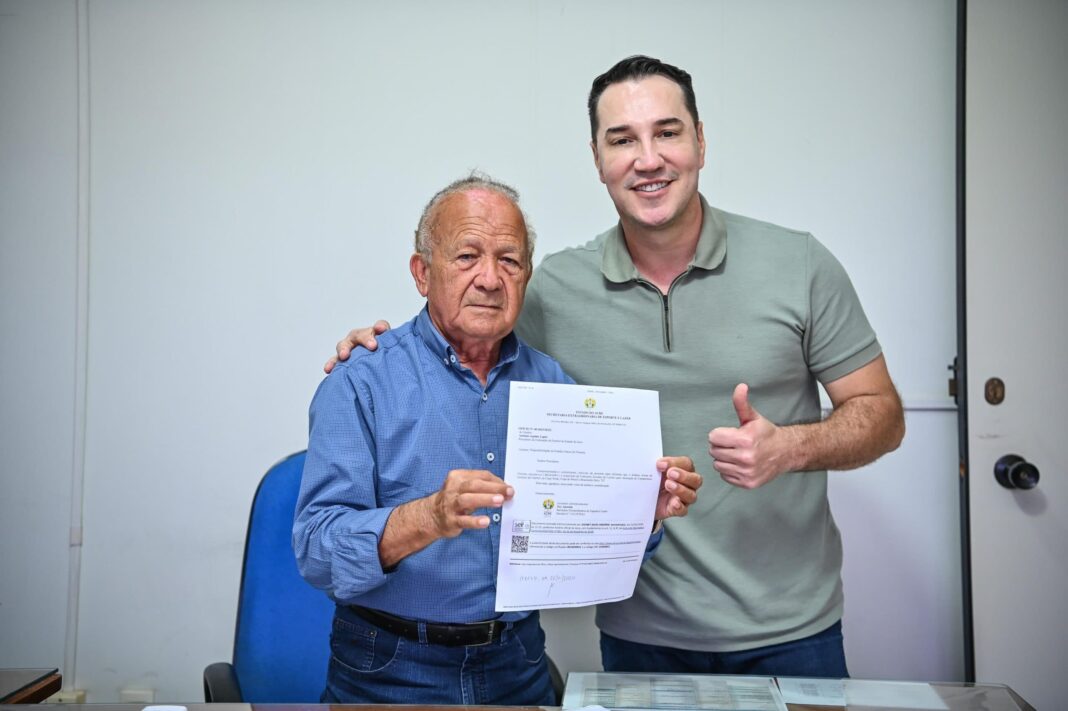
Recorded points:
957,697
28,686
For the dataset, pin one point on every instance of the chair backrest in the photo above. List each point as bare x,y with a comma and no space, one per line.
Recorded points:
282,642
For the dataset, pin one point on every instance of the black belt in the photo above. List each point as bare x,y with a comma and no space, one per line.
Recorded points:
474,634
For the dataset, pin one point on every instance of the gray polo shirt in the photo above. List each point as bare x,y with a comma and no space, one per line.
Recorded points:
759,304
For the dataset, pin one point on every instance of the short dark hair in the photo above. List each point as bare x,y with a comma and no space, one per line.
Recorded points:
639,67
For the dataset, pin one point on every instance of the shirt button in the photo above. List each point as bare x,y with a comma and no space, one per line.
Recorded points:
489,456
496,518
452,359
485,396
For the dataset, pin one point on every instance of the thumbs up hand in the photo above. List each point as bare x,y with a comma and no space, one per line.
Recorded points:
751,454
746,412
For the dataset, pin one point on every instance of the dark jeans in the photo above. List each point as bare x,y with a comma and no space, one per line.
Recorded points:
821,655
369,665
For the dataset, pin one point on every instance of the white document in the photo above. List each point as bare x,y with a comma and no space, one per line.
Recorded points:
653,692
582,461
812,692
893,694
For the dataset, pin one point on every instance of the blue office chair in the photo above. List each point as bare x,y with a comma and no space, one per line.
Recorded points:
282,640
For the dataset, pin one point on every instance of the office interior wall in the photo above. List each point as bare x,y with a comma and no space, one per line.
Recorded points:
38,214
256,173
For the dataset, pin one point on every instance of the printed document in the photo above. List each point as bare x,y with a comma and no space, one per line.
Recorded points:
582,461
812,692
671,692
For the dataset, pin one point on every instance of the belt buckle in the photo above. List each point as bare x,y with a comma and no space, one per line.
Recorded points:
492,628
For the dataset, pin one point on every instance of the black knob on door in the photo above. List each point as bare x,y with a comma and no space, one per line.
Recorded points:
1014,472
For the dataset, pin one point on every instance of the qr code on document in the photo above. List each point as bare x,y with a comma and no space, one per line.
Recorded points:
520,544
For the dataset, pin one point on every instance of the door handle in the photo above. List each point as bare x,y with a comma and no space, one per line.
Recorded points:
1014,472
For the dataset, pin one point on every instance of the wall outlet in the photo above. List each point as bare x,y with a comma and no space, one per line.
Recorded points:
67,696
137,696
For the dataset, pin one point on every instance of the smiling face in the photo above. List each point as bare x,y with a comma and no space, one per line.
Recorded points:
648,152
478,270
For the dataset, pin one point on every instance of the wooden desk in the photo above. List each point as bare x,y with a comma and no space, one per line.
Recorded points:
28,686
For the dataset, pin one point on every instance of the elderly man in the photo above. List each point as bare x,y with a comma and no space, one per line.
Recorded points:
734,321
398,513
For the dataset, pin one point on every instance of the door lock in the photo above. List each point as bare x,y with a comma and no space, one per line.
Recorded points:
994,391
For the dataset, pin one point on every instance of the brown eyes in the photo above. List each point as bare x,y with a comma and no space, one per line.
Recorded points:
670,133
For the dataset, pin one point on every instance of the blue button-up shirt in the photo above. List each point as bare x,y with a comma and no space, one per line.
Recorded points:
386,427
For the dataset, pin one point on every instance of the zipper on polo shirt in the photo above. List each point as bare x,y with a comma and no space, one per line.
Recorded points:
665,299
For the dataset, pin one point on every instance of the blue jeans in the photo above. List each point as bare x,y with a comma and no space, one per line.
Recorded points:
369,665
821,655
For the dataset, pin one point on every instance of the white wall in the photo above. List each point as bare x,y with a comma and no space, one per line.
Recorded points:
38,216
256,170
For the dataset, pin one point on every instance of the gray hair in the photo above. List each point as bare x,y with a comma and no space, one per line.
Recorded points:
476,180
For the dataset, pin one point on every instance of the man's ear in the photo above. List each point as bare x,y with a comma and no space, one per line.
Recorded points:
701,140
420,270
597,160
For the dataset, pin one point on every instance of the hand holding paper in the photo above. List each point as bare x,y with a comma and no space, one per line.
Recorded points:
678,486
444,514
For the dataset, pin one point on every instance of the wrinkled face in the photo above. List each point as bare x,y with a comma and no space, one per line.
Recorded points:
478,270
648,152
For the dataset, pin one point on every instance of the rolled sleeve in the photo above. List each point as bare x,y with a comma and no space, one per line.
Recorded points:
338,523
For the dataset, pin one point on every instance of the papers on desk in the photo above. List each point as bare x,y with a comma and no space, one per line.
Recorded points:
582,460
893,695
701,692
812,692
642,692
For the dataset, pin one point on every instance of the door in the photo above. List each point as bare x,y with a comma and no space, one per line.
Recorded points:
1016,221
